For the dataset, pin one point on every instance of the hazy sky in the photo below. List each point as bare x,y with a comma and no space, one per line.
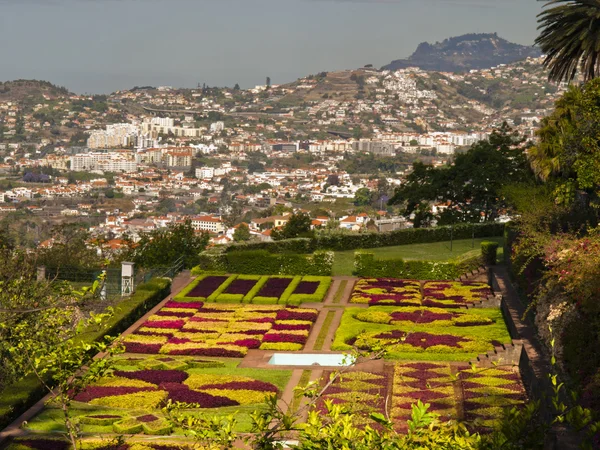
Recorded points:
100,46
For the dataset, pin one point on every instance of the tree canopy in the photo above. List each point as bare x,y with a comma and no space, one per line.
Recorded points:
164,246
568,152
299,225
470,189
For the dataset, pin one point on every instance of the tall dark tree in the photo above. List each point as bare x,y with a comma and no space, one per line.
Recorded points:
570,38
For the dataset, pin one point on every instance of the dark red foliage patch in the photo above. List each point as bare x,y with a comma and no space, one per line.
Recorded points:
172,304
422,366
240,287
104,416
423,316
134,347
284,327
154,376
182,393
92,392
147,418
307,287
175,324
261,320
287,314
175,340
292,338
423,340
274,287
248,343
207,286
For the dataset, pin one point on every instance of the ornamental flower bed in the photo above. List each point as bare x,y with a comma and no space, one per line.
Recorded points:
375,291
199,388
453,292
435,334
255,289
441,294
483,392
362,393
223,331
423,315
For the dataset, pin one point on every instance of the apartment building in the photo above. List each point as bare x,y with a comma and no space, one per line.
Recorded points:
208,223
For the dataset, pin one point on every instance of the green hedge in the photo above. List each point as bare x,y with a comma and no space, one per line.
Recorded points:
489,251
366,265
340,242
297,245
262,262
355,241
20,396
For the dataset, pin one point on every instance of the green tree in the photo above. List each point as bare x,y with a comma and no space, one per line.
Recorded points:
299,225
567,154
471,187
40,326
164,246
72,247
570,38
362,197
241,233
255,166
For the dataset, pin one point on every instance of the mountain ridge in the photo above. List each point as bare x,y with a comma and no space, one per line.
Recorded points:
464,53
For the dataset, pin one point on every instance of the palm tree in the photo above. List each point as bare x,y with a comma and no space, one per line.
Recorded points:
570,37
546,157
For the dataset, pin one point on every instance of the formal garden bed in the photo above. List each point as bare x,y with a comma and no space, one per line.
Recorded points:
256,289
189,351
130,399
195,328
477,396
442,294
422,333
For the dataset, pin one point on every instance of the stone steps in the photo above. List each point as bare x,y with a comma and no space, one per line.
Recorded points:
506,354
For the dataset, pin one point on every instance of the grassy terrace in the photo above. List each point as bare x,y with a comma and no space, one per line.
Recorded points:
436,251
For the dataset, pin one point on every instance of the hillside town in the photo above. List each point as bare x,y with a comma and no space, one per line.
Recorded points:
220,157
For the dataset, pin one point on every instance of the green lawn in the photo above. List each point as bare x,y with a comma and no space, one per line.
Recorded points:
437,251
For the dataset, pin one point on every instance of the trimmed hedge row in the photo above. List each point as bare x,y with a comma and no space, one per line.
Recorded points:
296,245
342,241
262,262
367,266
20,396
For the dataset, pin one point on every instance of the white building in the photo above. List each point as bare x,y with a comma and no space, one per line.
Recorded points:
208,223
205,173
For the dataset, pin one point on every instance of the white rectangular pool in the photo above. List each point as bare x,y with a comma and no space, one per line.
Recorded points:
311,359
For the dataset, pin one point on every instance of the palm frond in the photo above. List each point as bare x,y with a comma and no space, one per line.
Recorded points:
570,38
